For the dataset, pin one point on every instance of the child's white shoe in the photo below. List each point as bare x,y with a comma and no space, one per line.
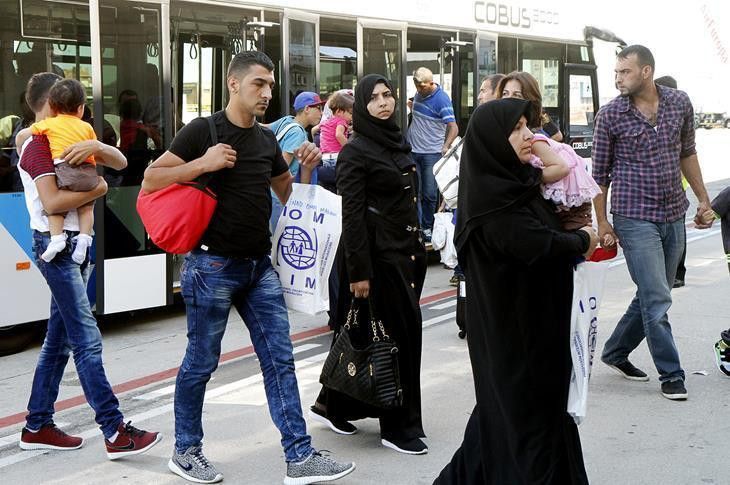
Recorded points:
83,241
57,244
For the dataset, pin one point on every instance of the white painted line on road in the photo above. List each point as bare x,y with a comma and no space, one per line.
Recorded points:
440,318
9,440
305,347
250,392
443,306
705,234
315,359
157,393
18,457
15,438
705,263
164,391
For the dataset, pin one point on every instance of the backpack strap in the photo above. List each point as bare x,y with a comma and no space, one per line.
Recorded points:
282,131
205,179
213,132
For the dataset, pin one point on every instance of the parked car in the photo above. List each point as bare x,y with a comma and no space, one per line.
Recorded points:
713,120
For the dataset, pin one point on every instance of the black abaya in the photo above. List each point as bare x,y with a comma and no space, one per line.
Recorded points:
378,183
518,266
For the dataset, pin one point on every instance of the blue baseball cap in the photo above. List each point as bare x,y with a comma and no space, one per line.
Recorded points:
305,99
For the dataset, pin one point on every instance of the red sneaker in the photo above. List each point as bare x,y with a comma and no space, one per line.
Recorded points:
130,441
49,437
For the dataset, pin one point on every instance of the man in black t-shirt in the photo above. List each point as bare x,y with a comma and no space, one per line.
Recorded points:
231,267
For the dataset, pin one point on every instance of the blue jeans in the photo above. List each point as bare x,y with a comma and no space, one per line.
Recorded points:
652,252
210,286
427,188
71,328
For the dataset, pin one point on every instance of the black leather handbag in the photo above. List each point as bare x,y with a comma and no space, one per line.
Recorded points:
369,374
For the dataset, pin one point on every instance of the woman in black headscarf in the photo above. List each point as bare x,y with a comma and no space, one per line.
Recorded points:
384,259
519,270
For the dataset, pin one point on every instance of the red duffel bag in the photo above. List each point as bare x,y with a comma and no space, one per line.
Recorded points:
177,216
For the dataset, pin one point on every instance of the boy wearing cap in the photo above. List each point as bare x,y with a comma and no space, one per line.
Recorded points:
290,132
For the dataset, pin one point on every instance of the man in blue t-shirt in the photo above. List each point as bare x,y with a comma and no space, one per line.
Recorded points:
431,132
290,132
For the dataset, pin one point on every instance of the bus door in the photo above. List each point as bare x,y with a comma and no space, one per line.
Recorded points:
381,49
131,103
300,43
580,105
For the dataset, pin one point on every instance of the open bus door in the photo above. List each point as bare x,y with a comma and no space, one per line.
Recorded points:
580,105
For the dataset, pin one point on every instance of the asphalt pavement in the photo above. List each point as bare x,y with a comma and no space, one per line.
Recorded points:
632,435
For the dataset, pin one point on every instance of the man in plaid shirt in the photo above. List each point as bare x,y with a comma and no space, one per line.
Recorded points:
644,142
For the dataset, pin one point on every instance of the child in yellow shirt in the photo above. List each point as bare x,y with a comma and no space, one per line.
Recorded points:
67,98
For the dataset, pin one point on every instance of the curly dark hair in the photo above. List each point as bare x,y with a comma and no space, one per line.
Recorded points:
66,96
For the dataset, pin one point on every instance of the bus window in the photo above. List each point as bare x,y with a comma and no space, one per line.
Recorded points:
337,54
543,60
56,39
200,94
506,55
579,54
487,57
204,39
302,58
581,105
57,43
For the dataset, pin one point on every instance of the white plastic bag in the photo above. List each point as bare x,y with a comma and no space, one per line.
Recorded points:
446,173
304,246
588,280
442,238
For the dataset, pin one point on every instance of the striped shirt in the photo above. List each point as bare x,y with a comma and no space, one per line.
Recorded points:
640,161
427,131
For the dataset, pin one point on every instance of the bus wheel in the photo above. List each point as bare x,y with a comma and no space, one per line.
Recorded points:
16,338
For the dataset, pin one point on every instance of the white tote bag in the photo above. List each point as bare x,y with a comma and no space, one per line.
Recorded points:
446,173
304,246
588,280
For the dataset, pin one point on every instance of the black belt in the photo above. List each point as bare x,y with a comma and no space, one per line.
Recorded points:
48,233
395,225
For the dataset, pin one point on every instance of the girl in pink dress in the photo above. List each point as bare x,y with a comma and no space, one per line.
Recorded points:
333,132
573,193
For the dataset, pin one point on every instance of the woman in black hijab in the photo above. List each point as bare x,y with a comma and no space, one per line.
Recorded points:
384,259
519,269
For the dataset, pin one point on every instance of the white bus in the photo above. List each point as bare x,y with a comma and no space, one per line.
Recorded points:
149,67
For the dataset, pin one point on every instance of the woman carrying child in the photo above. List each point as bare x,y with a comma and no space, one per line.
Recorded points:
565,178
